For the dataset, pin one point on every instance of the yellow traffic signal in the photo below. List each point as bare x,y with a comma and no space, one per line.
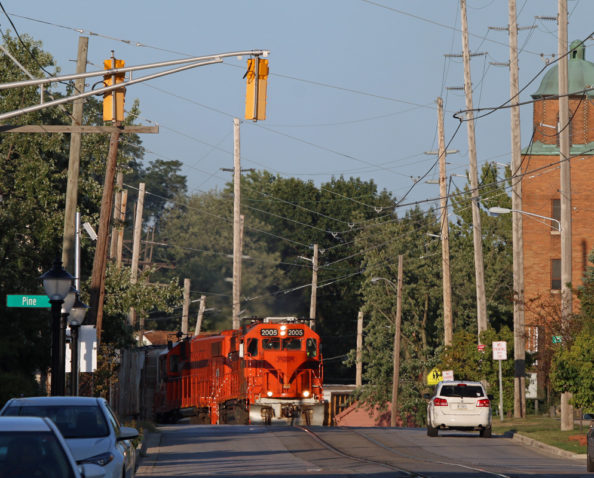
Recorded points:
113,112
255,95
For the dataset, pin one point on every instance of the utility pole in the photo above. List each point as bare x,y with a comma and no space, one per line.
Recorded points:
396,372
517,234
136,247
186,309
74,159
120,230
481,302
236,225
359,359
117,207
565,200
314,288
200,315
444,231
97,291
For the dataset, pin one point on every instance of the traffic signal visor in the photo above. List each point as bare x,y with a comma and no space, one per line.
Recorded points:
111,111
255,95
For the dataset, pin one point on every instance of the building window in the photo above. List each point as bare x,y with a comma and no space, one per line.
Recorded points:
556,274
556,213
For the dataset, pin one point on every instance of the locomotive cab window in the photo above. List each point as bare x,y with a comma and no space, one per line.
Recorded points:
270,344
312,348
252,348
292,344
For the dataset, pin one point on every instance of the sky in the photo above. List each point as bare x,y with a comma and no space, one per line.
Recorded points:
352,88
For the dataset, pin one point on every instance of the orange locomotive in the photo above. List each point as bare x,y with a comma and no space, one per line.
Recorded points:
268,371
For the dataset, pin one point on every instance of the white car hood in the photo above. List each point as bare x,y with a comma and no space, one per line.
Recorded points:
83,448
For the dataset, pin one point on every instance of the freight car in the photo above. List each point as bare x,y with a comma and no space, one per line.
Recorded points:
268,371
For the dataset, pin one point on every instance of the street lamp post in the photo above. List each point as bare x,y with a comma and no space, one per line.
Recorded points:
504,210
64,314
57,284
396,358
75,320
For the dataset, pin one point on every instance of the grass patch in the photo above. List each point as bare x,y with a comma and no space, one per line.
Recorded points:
544,429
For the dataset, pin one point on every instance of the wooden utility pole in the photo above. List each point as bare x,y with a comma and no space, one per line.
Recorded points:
396,373
236,225
359,359
517,234
186,309
314,288
120,229
117,207
444,231
97,291
200,315
481,301
74,160
136,247
565,200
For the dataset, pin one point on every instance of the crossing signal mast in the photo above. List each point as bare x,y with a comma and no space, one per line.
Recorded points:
255,94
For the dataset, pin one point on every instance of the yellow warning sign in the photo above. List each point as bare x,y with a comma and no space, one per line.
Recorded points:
434,377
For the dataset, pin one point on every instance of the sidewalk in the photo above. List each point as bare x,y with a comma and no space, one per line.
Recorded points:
149,453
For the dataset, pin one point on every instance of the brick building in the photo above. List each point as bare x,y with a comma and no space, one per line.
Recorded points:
540,185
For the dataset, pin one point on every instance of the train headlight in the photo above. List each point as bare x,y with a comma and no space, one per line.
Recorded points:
269,393
283,330
306,393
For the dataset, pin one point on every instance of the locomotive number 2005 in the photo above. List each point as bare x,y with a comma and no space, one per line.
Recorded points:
295,332
269,332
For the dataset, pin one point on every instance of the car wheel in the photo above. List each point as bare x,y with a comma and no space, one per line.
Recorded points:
486,432
431,431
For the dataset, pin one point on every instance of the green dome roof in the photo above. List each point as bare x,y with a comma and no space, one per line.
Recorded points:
581,74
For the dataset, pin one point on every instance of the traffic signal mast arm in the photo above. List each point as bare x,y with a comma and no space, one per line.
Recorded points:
194,63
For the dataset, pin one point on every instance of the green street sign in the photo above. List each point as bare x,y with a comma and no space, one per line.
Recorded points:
35,301
557,339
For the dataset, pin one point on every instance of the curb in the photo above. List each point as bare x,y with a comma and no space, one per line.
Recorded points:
553,450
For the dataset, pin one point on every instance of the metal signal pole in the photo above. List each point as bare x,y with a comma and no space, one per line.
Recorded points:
236,225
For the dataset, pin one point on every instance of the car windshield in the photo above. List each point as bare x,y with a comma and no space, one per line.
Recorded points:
30,454
470,391
74,421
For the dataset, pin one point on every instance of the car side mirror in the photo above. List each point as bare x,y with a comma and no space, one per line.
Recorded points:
127,433
90,470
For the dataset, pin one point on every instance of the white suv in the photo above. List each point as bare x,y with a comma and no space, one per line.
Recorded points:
459,405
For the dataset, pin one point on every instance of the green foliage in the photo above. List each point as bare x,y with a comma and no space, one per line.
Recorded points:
573,370
468,363
497,255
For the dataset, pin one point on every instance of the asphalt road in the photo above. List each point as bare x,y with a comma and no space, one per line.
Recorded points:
250,451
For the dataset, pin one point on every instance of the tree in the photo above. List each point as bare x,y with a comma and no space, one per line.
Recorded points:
382,242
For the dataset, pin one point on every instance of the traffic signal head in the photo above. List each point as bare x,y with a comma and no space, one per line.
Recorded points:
114,111
255,96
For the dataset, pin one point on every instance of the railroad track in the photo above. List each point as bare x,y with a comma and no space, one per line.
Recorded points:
402,456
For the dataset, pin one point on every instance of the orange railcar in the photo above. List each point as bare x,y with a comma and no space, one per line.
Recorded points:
268,371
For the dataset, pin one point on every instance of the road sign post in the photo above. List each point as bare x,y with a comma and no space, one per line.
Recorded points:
500,354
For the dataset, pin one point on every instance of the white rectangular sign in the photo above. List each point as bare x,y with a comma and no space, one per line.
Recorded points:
87,351
447,375
499,350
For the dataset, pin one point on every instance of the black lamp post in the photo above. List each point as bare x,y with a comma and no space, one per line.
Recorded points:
57,284
75,320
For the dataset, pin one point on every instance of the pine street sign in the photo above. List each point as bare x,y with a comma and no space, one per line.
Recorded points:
30,301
